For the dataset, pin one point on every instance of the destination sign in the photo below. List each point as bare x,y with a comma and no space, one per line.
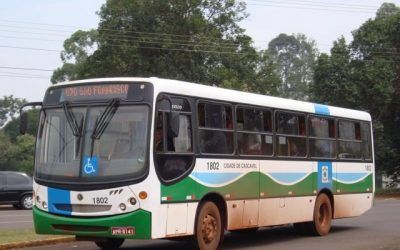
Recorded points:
135,92
96,92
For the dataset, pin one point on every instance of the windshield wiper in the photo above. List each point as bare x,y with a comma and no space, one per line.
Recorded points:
71,119
105,118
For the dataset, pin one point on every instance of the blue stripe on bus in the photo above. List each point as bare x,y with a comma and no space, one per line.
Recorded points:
215,178
321,109
59,197
288,177
350,177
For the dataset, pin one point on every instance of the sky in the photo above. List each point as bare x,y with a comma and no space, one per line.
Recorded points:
32,32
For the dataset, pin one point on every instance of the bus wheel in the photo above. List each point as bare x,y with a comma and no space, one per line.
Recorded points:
110,243
208,230
322,216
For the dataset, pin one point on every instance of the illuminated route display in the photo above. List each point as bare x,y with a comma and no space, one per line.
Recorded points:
99,92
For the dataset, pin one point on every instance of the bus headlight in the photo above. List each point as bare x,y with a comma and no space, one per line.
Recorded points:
44,205
122,206
132,201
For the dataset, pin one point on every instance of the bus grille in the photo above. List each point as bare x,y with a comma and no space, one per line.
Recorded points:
82,208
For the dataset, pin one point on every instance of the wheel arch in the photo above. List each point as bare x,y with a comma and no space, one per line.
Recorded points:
221,204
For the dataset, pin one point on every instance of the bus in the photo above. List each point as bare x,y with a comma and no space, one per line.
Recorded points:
150,158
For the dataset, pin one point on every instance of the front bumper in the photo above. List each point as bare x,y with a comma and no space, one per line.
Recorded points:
46,223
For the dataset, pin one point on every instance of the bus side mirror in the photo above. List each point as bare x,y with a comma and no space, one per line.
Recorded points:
23,123
23,116
173,124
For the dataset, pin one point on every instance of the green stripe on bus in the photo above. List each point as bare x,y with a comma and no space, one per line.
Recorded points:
246,188
46,223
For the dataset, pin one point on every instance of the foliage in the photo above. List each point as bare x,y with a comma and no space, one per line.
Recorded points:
8,108
197,41
294,56
365,74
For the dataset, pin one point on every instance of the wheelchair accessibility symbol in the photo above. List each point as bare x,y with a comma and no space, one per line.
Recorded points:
90,166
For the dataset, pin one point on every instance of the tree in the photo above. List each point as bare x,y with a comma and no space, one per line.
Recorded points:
8,108
197,41
294,56
366,75
11,129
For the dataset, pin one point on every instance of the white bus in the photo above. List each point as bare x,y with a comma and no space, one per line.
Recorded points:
150,158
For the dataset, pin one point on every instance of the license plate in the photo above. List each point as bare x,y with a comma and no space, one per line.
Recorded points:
123,231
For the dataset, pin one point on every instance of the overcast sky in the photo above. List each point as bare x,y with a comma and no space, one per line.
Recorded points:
22,26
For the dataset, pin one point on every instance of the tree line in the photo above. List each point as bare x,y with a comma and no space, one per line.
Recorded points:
202,41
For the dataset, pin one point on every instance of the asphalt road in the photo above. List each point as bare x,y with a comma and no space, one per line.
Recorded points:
11,218
379,228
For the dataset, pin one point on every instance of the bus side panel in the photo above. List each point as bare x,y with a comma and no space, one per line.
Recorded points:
351,205
286,192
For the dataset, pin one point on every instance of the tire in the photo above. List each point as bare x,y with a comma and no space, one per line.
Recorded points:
110,243
208,229
26,202
322,218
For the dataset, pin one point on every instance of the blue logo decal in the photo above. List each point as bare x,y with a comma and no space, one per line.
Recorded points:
321,109
324,175
90,165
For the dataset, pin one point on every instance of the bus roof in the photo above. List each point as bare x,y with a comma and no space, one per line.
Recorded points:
221,94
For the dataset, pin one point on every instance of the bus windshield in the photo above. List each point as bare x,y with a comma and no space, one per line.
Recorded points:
72,154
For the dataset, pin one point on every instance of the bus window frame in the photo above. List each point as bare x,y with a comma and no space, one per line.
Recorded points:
290,135
361,159
323,138
165,152
271,133
199,128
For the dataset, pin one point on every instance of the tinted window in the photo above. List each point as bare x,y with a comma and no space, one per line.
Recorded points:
366,140
349,140
173,152
16,179
292,125
322,127
215,128
323,143
251,123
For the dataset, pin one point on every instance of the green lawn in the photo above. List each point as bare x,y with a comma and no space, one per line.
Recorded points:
19,235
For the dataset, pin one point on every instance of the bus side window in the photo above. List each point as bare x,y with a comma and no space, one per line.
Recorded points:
322,141
349,140
291,140
215,128
174,155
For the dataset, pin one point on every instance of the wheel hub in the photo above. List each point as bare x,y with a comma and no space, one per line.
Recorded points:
209,228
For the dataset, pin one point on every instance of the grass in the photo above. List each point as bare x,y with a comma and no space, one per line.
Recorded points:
19,235
389,192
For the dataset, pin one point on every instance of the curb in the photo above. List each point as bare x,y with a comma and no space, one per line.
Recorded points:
35,243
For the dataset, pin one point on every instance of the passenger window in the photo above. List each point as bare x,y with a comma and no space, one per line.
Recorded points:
322,141
366,140
215,128
252,138
174,154
349,140
291,128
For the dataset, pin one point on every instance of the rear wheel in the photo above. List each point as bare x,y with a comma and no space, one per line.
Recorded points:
321,224
26,201
209,229
110,243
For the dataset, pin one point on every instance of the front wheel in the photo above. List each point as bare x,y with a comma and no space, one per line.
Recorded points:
26,202
209,229
110,243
